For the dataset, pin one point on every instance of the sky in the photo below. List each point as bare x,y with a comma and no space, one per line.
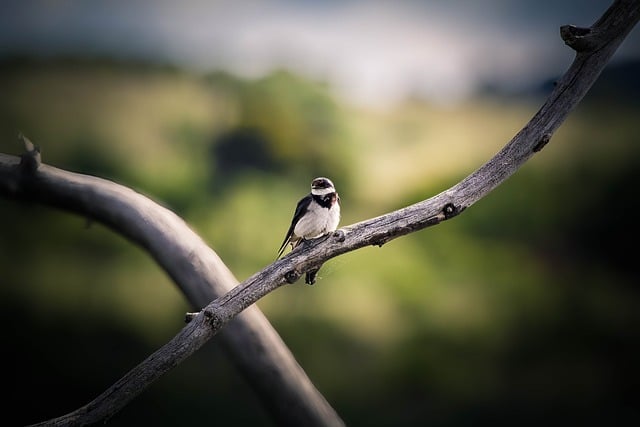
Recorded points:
369,52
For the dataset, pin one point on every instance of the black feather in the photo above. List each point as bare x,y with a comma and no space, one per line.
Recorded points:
301,209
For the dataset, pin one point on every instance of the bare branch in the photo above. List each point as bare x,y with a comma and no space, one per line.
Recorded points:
252,343
594,47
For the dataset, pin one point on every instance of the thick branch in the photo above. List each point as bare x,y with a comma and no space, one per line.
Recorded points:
592,55
252,343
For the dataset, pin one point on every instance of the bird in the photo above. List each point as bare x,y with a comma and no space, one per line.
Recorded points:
316,214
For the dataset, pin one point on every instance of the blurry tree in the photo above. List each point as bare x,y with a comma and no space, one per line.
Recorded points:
279,123
241,150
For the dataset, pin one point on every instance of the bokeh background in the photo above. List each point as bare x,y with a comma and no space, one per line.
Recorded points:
523,310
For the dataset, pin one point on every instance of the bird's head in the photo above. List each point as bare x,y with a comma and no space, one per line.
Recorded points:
321,186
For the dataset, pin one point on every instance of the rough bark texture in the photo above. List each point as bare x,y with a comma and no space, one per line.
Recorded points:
594,47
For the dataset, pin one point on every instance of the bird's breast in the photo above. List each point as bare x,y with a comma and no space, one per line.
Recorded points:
318,221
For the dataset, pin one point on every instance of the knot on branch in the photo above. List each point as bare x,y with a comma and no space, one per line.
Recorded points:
339,235
450,210
578,38
212,318
291,276
544,140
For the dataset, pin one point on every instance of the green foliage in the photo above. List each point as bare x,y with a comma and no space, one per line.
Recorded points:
520,310
283,125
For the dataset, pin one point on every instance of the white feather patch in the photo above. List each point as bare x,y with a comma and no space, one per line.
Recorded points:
322,191
318,221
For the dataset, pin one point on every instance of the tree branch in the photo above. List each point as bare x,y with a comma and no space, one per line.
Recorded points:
594,47
251,342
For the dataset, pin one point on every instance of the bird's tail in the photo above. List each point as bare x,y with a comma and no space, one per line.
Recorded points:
282,247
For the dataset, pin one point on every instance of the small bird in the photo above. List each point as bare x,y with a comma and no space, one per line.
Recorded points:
317,214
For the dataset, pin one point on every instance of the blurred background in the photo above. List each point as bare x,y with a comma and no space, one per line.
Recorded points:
520,311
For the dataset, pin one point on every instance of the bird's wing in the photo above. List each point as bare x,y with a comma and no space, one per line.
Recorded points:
301,209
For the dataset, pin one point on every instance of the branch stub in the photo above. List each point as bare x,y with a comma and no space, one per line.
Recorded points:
450,210
578,38
30,160
291,276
